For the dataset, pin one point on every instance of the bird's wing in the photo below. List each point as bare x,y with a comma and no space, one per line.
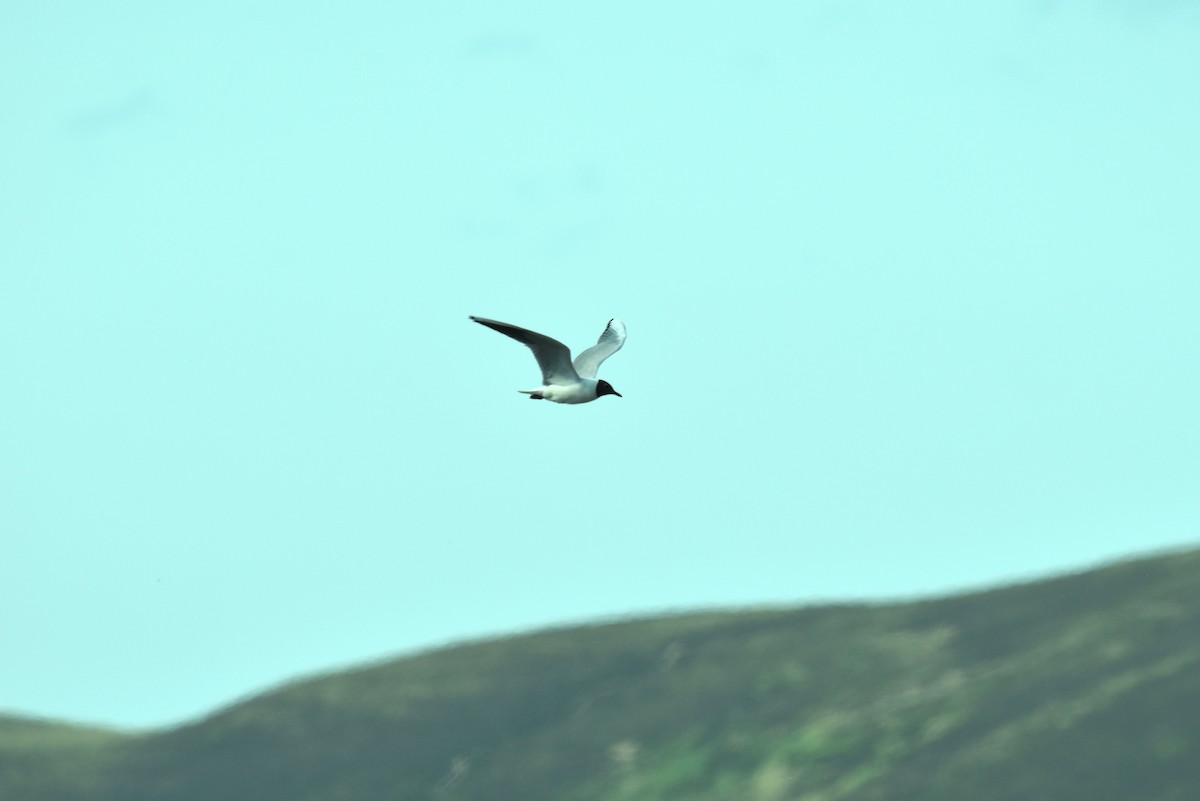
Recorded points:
552,356
588,362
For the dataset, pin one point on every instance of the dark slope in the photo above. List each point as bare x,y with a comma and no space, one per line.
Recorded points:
1083,687
53,761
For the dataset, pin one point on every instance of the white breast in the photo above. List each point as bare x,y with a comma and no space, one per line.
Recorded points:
581,392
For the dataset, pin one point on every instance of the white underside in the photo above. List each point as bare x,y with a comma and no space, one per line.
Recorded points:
581,392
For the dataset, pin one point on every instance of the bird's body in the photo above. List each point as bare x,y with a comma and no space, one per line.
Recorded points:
582,391
563,380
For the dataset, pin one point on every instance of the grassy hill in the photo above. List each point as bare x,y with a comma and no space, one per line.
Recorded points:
41,759
1083,687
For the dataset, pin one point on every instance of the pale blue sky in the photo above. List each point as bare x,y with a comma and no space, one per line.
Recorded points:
911,292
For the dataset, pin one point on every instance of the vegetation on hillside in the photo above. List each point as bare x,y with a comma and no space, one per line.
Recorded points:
54,761
1082,687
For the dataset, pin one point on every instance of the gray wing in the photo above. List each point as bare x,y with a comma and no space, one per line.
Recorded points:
588,362
552,356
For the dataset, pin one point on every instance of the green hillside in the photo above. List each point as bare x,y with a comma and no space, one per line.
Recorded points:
1083,687
44,760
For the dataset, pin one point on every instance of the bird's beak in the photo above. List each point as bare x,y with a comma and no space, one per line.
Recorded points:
618,394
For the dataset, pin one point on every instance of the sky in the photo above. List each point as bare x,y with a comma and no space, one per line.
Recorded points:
911,295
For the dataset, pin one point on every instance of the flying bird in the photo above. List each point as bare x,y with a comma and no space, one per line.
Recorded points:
564,381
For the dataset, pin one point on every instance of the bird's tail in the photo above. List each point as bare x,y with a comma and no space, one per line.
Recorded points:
533,394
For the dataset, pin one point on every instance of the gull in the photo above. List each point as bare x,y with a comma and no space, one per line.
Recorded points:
564,381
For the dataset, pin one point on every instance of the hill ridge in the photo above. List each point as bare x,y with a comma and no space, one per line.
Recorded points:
942,697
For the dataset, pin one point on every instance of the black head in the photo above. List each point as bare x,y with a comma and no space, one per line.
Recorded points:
604,388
